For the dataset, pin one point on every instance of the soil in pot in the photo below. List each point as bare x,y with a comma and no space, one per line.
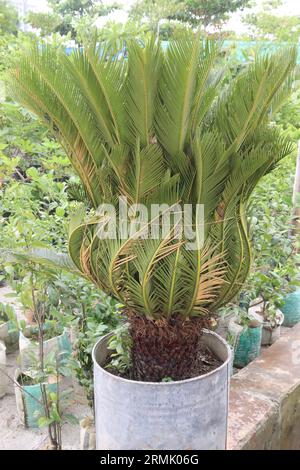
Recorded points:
168,350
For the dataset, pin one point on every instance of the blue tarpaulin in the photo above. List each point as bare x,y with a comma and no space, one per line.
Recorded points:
240,48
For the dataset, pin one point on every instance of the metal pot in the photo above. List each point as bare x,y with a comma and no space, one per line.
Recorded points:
183,415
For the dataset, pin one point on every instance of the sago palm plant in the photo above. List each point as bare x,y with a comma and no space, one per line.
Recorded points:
161,128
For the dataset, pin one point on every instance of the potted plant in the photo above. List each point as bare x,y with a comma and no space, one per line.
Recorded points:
40,399
268,291
246,329
273,319
46,325
39,391
290,303
55,339
291,308
160,127
8,334
32,391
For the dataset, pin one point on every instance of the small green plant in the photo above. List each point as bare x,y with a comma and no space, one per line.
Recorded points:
270,314
7,313
120,345
244,319
167,379
268,289
54,401
98,316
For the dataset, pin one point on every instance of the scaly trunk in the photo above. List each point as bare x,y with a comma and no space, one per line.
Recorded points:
165,349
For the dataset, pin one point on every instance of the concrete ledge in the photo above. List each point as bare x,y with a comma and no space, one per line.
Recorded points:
264,407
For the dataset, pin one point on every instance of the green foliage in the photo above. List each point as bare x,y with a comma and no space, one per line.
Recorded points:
274,272
266,24
66,15
7,313
34,178
46,23
8,18
152,12
120,344
115,35
9,48
288,118
209,12
24,137
97,316
174,134
193,12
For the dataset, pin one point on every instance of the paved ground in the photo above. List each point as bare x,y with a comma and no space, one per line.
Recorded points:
12,434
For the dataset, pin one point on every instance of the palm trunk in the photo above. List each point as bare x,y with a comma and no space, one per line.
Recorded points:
165,349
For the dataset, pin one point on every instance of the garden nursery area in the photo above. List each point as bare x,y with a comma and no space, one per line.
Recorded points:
150,225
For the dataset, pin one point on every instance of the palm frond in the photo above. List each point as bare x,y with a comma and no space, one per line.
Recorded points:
144,65
42,256
176,91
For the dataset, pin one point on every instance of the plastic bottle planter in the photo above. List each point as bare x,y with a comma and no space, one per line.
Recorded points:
271,333
3,376
248,346
9,336
291,308
231,360
87,434
29,349
29,401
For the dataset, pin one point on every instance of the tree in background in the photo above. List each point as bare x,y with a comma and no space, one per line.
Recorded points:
210,12
193,12
65,14
47,23
151,12
8,18
265,24
114,33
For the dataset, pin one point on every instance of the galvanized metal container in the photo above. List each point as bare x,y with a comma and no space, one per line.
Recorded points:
183,415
